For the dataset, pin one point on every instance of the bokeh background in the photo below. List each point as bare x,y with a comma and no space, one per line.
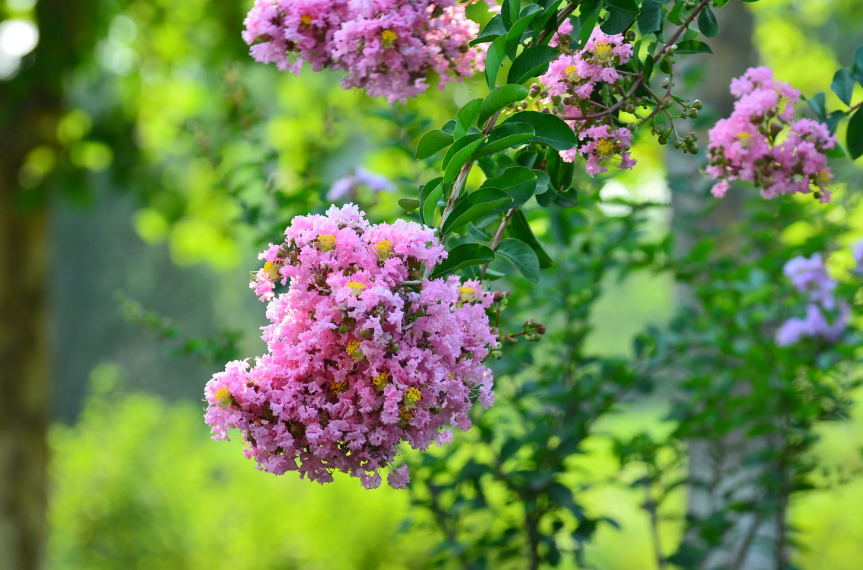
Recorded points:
163,156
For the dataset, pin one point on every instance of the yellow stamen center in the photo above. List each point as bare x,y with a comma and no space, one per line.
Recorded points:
744,138
405,413
572,73
412,396
388,38
354,349
272,271
384,249
356,288
822,178
602,50
223,396
605,147
306,20
339,387
466,294
327,242
380,380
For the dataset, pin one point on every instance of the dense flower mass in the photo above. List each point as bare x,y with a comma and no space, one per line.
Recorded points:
362,352
750,146
387,47
809,276
572,78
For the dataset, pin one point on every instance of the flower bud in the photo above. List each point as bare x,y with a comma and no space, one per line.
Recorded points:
540,328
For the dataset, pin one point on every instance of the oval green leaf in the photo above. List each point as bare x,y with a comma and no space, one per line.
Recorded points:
505,136
521,255
493,60
432,143
499,99
474,205
465,117
550,130
531,63
462,256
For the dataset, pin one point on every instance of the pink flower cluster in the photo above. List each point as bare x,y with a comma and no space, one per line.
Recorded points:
809,276
362,352
387,47
748,146
574,77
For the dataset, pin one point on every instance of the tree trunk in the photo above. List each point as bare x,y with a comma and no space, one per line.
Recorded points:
24,379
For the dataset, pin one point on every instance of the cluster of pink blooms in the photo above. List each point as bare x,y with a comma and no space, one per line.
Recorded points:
746,146
386,47
362,351
572,78
809,276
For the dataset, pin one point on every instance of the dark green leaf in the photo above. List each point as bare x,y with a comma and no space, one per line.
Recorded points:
520,229
857,67
674,15
692,46
650,19
493,60
818,104
479,203
707,23
458,146
854,138
550,130
492,30
498,99
429,196
648,68
462,256
628,5
409,204
460,158
521,255
519,182
432,143
843,85
618,20
513,37
504,136
465,117
833,121
509,11
587,28
530,63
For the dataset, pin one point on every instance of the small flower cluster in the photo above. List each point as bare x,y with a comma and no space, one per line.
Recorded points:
746,146
569,83
809,276
387,47
362,351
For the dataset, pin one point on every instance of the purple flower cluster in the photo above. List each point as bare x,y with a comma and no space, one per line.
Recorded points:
363,353
748,146
809,276
386,47
348,187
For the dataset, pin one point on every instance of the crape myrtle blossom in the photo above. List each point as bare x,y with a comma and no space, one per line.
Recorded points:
348,186
573,77
386,47
362,352
761,142
809,276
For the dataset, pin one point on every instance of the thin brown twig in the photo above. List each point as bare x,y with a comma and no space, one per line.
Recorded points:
498,236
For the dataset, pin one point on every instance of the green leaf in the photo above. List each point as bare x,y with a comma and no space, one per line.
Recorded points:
650,19
460,158
521,255
707,23
818,104
462,256
430,194
509,11
520,229
474,205
587,28
628,5
857,67
531,63
833,121
493,60
518,181
513,37
843,85
550,130
505,136
498,99
458,146
674,16
692,46
618,20
854,137
465,117
492,30
409,204
432,143
648,68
